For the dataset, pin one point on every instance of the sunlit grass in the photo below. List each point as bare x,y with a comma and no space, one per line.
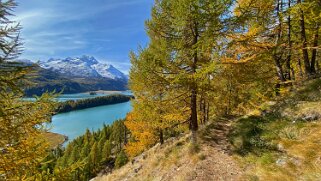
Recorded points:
283,144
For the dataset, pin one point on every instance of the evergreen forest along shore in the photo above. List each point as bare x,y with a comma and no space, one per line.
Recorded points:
73,105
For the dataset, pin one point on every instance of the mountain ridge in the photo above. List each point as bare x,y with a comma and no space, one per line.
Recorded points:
83,66
73,75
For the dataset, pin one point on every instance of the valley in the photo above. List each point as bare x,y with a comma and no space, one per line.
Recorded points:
78,112
160,90
73,75
75,123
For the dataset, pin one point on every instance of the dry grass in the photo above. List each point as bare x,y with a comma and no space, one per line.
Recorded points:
178,160
290,139
300,159
158,163
54,139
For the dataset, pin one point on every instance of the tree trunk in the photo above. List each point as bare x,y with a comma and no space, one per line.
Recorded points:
300,67
279,69
293,73
305,53
277,58
314,51
207,111
202,108
193,118
161,136
204,111
125,136
288,58
277,89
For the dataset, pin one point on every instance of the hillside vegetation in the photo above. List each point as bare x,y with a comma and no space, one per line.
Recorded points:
281,140
72,105
224,90
87,155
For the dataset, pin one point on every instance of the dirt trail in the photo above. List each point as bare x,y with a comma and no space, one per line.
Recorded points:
219,164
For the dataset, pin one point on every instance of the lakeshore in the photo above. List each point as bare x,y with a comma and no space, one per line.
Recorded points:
55,139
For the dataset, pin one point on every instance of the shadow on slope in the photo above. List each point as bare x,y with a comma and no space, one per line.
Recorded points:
283,141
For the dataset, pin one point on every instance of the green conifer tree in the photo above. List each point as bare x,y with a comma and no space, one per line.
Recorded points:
106,151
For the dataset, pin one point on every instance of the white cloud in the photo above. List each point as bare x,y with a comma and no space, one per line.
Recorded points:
48,29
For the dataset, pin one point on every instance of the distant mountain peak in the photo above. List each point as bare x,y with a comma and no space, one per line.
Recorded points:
84,66
88,59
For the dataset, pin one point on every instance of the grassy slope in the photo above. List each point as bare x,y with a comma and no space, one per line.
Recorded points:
54,139
177,161
281,141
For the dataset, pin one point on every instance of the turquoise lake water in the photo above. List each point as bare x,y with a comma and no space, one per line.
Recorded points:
67,97
75,123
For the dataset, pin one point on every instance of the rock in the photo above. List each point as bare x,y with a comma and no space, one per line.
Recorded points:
295,161
133,161
144,156
136,170
281,161
280,147
312,116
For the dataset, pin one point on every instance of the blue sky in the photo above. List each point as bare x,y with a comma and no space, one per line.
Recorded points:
105,29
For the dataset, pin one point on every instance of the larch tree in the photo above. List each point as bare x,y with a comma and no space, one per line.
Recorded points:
93,155
106,151
261,33
267,29
154,110
22,145
184,37
307,16
119,134
190,33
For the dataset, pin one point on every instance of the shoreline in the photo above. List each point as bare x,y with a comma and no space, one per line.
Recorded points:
80,104
55,139
107,92
104,92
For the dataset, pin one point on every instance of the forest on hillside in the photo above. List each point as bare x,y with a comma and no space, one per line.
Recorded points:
208,59
205,59
72,105
90,153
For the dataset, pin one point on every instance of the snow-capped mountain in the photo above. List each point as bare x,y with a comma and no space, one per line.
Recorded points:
85,66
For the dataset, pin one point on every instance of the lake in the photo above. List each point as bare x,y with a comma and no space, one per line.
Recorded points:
85,95
75,123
